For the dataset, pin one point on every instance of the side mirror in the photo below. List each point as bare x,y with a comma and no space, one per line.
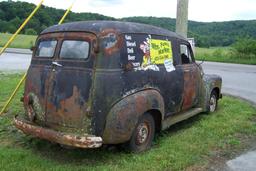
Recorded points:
200,66
201,62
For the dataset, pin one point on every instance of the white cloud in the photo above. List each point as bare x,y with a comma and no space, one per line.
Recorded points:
160,8
220,10
105,2
199,10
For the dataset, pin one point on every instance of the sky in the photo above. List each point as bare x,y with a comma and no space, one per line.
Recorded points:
199,10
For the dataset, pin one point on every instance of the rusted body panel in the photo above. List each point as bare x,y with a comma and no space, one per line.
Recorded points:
105,94
124,115
75,140
59,96
191,85
210,82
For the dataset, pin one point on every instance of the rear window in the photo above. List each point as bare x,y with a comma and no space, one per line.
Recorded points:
46,48
74,49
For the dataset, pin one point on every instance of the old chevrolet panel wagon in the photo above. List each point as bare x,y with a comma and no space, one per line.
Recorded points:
105,82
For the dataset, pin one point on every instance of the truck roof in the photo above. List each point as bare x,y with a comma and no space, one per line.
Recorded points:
121,27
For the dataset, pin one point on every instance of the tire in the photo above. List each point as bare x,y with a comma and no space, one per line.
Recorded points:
213,102
143,134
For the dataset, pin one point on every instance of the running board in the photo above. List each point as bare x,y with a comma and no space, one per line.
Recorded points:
171,120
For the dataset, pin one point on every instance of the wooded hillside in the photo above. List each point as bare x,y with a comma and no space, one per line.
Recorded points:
206,34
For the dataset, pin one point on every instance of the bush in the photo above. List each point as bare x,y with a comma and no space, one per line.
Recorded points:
30,31
218,53
245,48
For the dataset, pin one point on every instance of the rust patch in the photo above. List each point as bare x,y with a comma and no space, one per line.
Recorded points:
81,141
190,87
66,114
35,110
111,40
123,117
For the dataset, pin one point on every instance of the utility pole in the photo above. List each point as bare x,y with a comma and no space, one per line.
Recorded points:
182,18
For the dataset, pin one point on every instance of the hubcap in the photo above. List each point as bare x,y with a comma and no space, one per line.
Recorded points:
142,134
213,103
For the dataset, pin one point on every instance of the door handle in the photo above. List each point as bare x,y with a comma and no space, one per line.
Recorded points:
186,70
57,64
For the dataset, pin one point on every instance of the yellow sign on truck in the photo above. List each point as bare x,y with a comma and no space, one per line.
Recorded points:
160,50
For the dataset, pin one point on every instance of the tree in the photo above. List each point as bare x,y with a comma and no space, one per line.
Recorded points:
30,31
245,48
12,14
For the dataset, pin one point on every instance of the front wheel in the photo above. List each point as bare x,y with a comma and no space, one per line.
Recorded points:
213,102
143,134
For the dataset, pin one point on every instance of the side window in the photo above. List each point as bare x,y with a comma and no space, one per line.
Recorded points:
185,54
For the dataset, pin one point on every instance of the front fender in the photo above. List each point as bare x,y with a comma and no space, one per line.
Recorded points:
210,82
124,115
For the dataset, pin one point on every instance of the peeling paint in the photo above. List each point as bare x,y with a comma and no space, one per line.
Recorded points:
81,141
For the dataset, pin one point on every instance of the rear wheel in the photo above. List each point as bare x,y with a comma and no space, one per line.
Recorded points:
143,134
213,102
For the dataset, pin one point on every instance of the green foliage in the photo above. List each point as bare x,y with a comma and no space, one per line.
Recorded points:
166,23
211,34
224,54
12,14
21,41
30,32
245,48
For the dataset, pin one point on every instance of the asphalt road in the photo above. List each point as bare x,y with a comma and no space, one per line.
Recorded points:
238,80
10,62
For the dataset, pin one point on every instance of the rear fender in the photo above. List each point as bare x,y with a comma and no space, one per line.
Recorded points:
124,115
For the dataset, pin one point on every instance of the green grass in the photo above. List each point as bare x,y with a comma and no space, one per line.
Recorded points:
21,41
222,54
189,144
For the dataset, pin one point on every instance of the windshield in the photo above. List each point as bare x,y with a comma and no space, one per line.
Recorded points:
46,48
74,49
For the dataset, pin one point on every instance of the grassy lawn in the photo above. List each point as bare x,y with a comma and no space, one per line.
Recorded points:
21,41
221,54
189,145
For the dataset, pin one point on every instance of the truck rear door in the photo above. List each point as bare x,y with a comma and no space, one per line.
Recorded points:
64,80
68,102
